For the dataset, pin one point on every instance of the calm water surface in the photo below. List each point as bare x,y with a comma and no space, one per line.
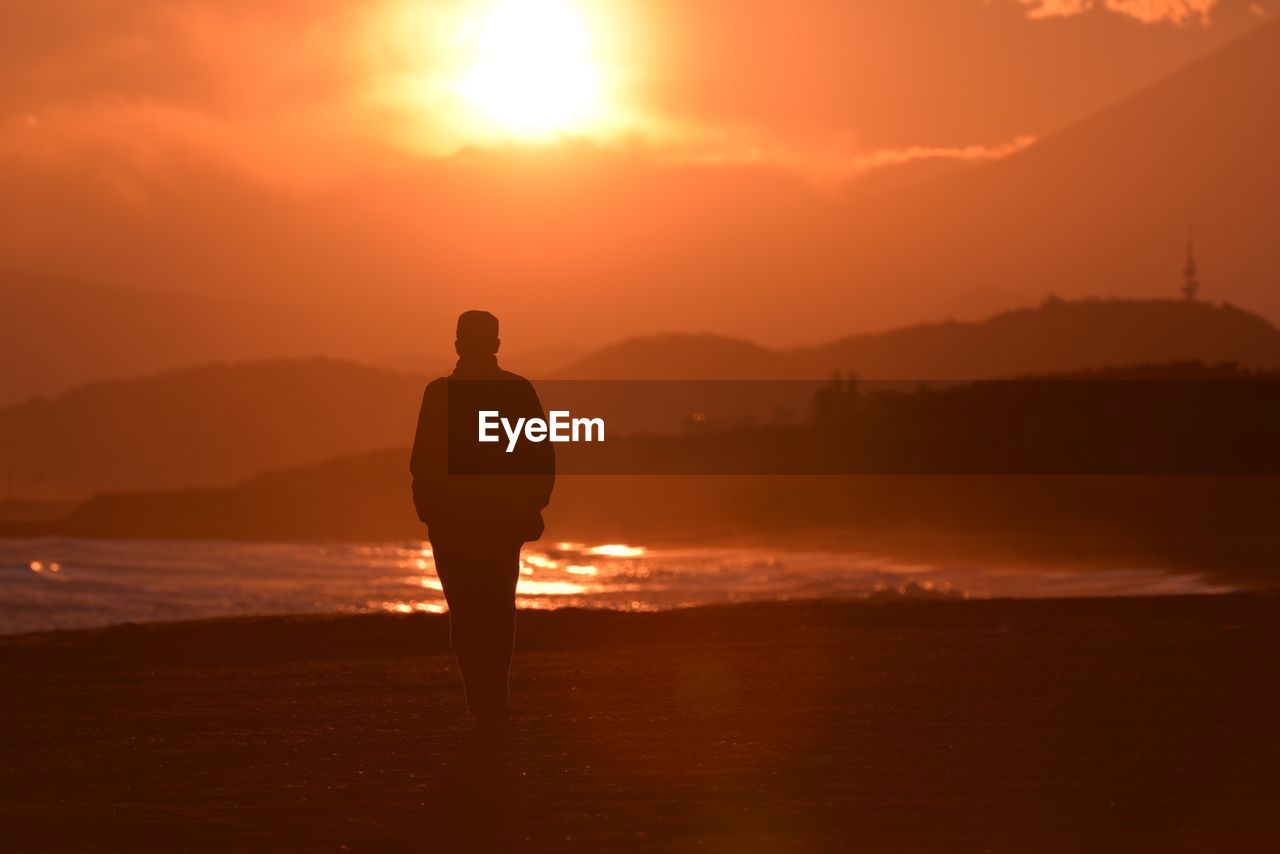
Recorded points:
77,583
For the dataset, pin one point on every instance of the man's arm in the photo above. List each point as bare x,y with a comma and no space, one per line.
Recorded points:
428,461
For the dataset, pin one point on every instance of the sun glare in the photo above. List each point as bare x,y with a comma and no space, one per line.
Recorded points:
531,74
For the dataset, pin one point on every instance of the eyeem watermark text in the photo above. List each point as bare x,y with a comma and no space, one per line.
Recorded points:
559,426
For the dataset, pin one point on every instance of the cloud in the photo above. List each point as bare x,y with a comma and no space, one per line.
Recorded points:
292,92
1148,11
833,167
267,94
321,92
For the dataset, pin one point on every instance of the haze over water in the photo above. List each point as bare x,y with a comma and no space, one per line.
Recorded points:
78,583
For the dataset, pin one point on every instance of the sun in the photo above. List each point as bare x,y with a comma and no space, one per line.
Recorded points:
530,73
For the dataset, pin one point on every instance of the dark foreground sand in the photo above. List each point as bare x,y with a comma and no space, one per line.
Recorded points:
1115,725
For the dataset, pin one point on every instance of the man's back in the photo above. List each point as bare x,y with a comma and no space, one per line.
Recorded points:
463,487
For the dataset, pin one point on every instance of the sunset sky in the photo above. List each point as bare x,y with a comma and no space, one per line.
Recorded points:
543,157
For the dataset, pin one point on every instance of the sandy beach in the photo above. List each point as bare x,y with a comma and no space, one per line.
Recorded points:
1081,725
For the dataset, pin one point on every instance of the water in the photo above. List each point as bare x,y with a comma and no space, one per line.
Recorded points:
78,583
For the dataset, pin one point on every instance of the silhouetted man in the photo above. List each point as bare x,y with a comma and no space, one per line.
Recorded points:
480,503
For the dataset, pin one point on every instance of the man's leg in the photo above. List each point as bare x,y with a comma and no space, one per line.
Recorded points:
501,574
455,566
479,582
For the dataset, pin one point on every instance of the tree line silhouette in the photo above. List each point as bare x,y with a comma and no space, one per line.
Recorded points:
1169,419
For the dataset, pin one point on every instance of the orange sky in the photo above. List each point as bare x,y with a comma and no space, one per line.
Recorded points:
296,88
319,149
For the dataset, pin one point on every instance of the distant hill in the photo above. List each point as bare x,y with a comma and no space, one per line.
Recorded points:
1058,336
207,426
679,356
219,424
58,333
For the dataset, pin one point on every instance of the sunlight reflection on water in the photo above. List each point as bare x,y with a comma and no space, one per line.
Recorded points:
100,582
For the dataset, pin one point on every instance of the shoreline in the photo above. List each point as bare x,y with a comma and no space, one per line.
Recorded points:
1212,525
307,621
898,545
300,619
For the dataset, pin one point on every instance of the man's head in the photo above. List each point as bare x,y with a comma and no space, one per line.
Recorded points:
477,334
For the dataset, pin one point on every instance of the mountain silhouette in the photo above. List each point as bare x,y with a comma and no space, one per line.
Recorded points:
207,426
219,424
1057,336
58,333
680,356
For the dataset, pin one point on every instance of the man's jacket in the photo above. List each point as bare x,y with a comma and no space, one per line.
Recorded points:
466,489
